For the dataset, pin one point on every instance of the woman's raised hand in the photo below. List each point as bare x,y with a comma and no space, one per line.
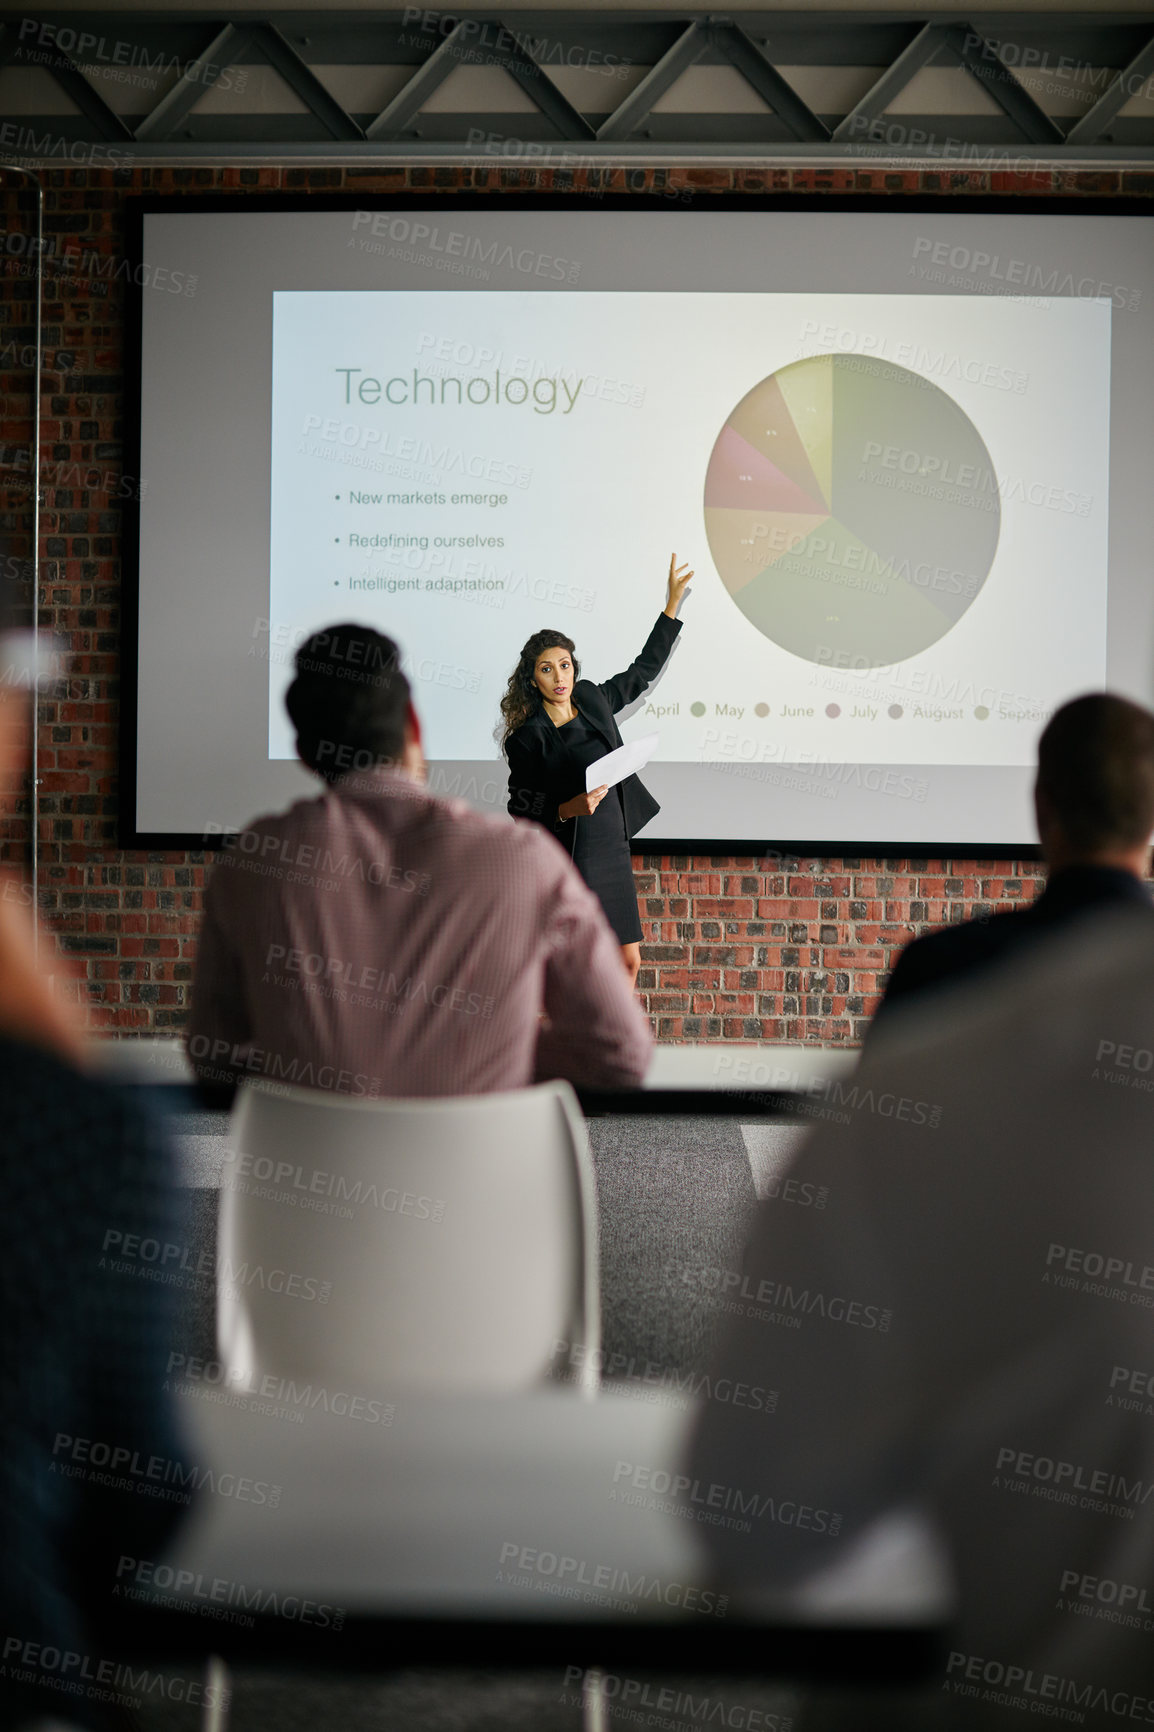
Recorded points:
679,577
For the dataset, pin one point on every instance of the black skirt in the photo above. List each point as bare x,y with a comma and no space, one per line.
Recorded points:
599,844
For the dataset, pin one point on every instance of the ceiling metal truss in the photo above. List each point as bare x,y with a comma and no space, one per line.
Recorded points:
1055,88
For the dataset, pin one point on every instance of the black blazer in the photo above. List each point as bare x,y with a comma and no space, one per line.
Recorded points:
540,775
938,958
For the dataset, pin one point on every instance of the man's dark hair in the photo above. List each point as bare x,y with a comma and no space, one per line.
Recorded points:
1096,771
348,701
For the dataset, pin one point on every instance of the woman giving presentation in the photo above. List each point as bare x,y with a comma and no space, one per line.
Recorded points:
554,725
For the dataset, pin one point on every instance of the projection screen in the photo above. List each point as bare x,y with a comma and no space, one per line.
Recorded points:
902,444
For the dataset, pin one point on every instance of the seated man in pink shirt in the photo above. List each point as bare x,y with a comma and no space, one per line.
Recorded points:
379,941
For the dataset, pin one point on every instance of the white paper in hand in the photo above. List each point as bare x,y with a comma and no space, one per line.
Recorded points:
625,761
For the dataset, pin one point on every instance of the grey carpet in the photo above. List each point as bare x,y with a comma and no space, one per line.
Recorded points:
676,1196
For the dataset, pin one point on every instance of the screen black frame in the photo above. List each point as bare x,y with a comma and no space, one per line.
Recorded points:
138,207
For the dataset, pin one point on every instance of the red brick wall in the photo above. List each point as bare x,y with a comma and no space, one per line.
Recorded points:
737,948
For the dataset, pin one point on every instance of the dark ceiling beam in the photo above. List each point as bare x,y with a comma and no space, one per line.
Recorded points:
195,48
630,115
755,67
982,62
517,62
879,97
268,42
1114,98
108,126
400,115
227,48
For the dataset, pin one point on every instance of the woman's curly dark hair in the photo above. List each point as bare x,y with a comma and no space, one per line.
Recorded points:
522,699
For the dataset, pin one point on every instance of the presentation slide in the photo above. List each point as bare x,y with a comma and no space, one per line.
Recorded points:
893,520
903,446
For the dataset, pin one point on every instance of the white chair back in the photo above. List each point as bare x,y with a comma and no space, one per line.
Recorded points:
446,1243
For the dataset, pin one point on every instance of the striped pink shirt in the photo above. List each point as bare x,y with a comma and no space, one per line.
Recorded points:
380,941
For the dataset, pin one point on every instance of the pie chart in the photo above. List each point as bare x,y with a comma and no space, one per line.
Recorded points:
852,510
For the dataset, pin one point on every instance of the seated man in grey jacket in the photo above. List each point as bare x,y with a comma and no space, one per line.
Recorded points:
964,1326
